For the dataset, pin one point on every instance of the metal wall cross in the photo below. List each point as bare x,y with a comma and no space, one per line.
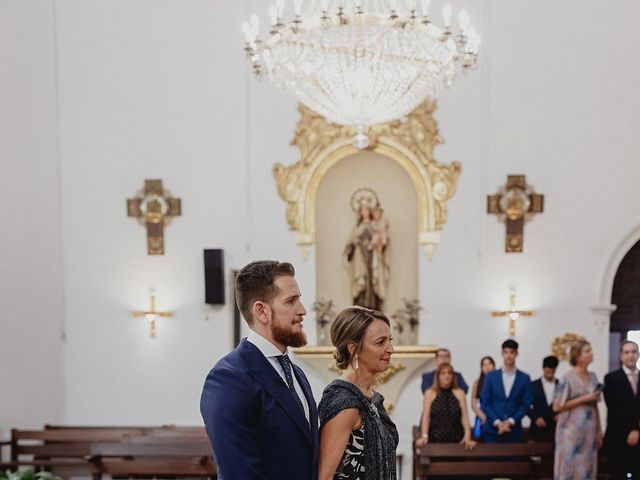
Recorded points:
154,207
514,203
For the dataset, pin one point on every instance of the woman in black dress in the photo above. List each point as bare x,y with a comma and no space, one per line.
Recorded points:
444,417
358,440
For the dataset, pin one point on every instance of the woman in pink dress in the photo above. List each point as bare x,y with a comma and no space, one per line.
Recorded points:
578,432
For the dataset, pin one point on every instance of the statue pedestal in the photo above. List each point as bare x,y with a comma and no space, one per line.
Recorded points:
405,361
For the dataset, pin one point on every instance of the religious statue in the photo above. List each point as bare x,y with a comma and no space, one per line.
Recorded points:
366,251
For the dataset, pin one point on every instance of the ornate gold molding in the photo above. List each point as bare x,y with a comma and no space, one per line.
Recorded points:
561,345
410,143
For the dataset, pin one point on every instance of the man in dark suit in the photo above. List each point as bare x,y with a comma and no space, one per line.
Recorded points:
622,395
257,406
443,355
505,398
543,424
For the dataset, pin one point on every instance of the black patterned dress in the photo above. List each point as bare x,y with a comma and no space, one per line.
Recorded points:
445,421
351,467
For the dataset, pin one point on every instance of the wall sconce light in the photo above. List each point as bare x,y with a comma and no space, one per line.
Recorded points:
513,313
152,314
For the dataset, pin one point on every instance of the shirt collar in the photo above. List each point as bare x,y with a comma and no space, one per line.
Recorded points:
267,348
510,374
628,371
552,381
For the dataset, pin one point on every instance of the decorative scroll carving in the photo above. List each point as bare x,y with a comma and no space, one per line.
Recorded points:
410,143
561,345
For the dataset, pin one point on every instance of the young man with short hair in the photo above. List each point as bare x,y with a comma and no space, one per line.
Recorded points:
505,398
543,424
257,406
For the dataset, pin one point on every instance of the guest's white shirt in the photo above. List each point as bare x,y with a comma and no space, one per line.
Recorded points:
549,388
508,379
270,352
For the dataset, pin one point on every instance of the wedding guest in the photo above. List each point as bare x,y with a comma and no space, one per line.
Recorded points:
543,423
578,432
487,364
444,417
505,398
358,440
443,355
257,406
622,394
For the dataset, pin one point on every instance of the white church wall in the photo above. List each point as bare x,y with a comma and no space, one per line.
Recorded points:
161,89
31,327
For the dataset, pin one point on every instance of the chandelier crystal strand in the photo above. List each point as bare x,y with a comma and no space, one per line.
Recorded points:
359,62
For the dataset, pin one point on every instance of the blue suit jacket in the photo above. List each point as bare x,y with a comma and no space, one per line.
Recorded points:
427,381
257,430
497,406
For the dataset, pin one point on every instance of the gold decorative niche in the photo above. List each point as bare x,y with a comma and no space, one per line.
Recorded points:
410,143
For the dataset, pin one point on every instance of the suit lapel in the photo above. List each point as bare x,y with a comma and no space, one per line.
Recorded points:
264,373
627,384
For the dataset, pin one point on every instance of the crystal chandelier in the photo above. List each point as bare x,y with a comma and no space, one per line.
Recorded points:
361,62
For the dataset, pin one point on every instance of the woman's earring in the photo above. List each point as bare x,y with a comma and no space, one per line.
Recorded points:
355,362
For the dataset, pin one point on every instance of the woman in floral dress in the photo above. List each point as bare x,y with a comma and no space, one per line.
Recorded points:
578,432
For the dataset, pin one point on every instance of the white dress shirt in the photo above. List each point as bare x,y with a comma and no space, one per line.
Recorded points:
549,388
270,352
508,379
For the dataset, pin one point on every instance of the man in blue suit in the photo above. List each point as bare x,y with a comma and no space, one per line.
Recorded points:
443,355
258,409
505,398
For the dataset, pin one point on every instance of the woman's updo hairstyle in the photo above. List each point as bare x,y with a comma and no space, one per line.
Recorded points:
576,350
349,326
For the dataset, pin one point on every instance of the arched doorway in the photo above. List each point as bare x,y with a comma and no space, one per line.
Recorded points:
625,320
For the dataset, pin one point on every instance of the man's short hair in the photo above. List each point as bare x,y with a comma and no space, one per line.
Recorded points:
625,342
443,350
550,362
256,281
511,343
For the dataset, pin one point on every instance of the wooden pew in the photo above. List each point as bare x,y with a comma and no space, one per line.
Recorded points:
531,459
154,457
534,460
62,451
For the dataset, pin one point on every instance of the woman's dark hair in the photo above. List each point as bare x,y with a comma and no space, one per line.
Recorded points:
349,326
482,374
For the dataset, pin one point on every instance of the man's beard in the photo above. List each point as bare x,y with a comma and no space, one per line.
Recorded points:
287,336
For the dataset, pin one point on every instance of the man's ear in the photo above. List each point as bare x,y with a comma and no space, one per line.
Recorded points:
261,312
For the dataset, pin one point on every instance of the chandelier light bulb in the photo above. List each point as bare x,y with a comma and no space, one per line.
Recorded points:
297,7
280,5
246,29
464,21
273,14
425,7
446,15
392,3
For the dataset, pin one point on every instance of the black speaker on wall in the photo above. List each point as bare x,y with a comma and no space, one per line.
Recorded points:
214,276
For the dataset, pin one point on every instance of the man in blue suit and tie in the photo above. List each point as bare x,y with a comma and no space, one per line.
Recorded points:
505,398
258,409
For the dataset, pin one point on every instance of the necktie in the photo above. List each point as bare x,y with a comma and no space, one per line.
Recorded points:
285,363
633,379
